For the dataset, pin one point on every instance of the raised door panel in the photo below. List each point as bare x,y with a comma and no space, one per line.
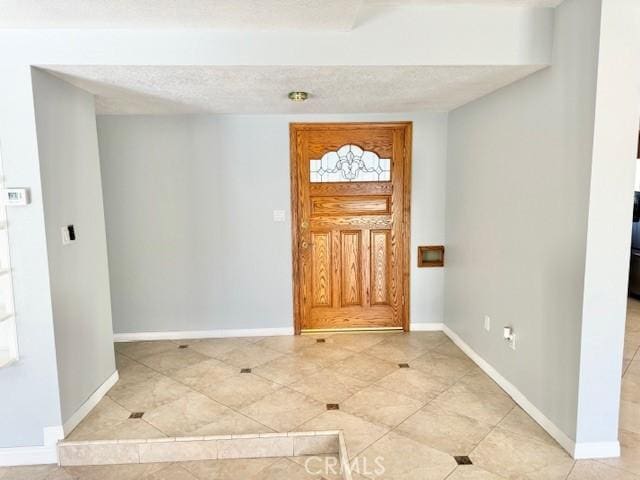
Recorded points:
335,206
351,274
380,267
321,269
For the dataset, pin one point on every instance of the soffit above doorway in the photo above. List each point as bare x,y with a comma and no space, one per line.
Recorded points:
264,89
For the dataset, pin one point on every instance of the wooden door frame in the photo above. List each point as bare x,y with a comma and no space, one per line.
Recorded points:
405,244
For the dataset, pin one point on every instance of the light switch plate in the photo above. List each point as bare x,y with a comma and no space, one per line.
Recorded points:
278,215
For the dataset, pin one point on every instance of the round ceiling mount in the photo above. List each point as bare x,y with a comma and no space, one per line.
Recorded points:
298,96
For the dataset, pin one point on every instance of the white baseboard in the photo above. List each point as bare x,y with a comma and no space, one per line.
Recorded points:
568,444
37,455
426,327
223,333
89,404
596,450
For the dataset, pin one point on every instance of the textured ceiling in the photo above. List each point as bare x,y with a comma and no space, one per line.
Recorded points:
219,14
194,89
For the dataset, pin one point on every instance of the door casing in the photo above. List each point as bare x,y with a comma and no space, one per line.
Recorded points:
405,242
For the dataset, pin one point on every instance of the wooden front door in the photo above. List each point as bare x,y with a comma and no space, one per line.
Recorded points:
350,221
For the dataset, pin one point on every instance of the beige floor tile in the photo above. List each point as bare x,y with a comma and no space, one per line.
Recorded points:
634,367
419,340
633,320
631,388
287,343
59,474
287,369
517,421
136,350
122,361
517,456
172,360
114,472
396,457
381,406
240,469
445,368
632,336
629,453
147,394
283,469
184,415
105,414
218,347
591,470
173,471
128,429
630,349
241,390
231,422
364,367
358,433
471,472
327,386
204,375
448,432
430,339
249,356
324,354
356,342
630,416
485,407
397,350
447,347
133,372
413,383
284,410
32,472
321,466
478,381
109,421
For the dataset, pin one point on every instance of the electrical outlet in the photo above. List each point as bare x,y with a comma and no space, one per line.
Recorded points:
487,323
509,337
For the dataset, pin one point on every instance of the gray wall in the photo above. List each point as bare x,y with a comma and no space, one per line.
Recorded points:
188,205
518,200
79,277
29,399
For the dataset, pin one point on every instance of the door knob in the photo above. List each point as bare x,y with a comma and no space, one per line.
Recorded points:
304,245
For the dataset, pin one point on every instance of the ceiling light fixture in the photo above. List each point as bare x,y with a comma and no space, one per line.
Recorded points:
298,96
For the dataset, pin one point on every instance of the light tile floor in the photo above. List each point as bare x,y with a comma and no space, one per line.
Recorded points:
413,420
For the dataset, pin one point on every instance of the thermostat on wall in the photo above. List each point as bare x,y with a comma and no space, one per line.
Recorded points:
16,196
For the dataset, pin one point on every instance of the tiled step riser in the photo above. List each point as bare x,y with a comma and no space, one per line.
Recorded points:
198,448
